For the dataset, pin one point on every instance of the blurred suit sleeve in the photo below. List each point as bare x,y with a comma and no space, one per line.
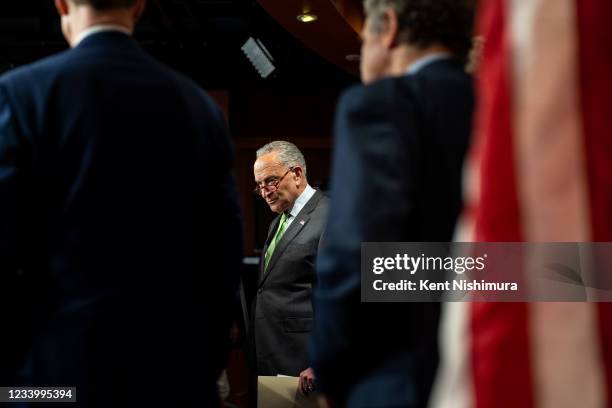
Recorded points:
375,179
15,298
225,227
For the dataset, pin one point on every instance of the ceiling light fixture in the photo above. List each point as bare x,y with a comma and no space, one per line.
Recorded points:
307,17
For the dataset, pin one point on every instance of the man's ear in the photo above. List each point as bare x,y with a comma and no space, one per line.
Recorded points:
298,172
139,8
62,7
389,33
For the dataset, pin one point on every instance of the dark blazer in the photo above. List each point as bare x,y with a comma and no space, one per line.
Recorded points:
399,148
283,303
120,238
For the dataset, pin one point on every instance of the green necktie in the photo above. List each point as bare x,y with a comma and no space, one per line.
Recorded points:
279,234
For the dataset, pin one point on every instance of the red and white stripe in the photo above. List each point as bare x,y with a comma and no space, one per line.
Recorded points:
540,170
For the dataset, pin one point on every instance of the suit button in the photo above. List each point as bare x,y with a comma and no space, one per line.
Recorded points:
259,290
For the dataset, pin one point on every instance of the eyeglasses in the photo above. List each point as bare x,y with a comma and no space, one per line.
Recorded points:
270,184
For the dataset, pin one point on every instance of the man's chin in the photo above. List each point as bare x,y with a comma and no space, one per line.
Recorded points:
276,208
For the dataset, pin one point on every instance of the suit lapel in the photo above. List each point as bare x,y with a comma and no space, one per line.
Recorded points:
296,226
294,229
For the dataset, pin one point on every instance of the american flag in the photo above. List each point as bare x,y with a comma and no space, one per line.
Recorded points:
540,170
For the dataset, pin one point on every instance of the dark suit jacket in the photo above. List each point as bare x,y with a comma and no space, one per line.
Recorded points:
119,228
399,148
283,304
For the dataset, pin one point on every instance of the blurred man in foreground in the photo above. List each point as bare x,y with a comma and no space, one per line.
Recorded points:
400,142
116,264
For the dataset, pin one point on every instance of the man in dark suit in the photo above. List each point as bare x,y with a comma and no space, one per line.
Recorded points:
283,306
400,140
120,237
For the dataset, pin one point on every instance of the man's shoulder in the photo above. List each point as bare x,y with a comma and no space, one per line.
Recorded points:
448,67
189,88
323,198
43,68
70,67
320,197
440,80
380,95
322,203
386,96
376,89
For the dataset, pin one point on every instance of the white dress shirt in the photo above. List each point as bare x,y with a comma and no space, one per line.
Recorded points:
422,62
300,202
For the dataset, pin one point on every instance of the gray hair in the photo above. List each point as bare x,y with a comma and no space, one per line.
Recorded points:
425,22
374,9
288,154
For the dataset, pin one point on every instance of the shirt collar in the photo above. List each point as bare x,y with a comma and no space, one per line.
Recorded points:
422,62
99,28
301,201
